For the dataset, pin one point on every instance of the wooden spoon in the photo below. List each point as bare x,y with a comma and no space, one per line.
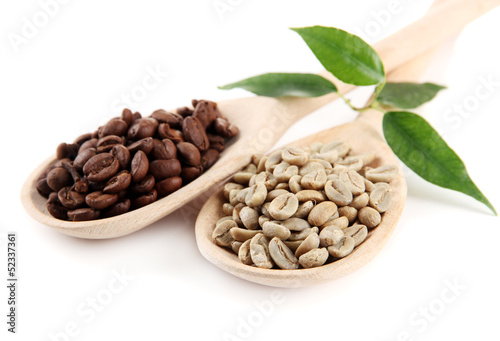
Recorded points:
364,135
262,121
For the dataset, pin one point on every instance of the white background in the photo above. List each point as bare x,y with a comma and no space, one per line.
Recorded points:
70,75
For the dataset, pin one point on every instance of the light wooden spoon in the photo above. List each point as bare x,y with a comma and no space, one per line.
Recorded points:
262,121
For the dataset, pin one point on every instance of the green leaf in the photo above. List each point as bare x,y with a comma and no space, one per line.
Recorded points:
346,56
421,148
408,95
285,84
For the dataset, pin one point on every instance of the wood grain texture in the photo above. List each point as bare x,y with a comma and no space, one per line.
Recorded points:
262,121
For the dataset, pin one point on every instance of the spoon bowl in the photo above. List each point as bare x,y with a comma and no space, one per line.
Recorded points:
364,136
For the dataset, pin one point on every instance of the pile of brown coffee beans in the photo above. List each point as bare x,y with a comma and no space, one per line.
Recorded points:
131,161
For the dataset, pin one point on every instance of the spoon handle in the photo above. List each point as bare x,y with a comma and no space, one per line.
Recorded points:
444,19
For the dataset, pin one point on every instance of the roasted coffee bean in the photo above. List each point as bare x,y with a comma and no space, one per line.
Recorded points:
127,116
106,143
82,138
168,186
216,142
83,214
144,199
81,186
55,208
92,143
190,173
224,128
166,132
99,200
143,186
122,155
117,208
67,151
68,165
59,178
115,126
189,154
209,158
159,151
139,166
204,111
70,198
136,116
184,111
101,167
162,169
146,145
83,157
170,148
43,188
194,132
142,128
163,116
118,183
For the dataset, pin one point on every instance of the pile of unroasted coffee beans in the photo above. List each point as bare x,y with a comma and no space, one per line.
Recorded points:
132,161
303,207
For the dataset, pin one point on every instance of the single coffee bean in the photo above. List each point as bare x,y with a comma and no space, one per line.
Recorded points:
284,206
353,180
369,217
145,144
162,169
99,200
295,156
101,167
59,178
144,199
170,148
67,151
384,173
338,192
68,165
321,213
304,209
296,224
358,232
235,246
163,116
284,171
275,193
216,142
159,151
83,157
118,183
168,186
122,155
209,158
313,258
143,186
166,132
342,248
194,132
314,180
43,187
273,229
127,116
83,214
139,166
229,187
189,154
117,208
92,143
341,222
55,208
136,116
349,212
360,201
184,111
204,111
259,252
351,162
310,243
115,126
282,256
340,146
256,195
331,235
310,195
142,128
70,198
242,235
82,138
105,144
222,235
311,166
244,253
224,128
301,235
380,198
250,218
188,174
